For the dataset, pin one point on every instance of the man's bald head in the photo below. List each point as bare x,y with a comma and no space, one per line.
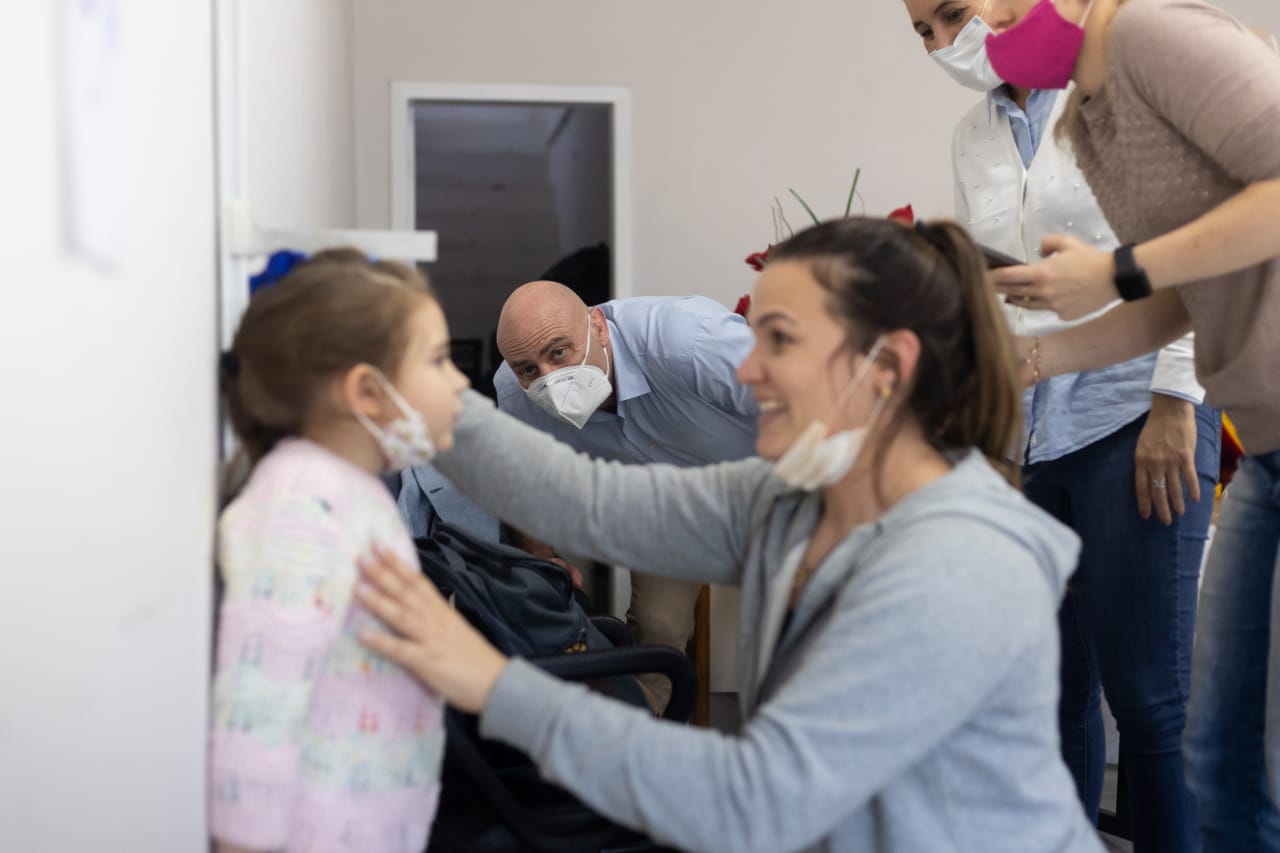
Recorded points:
543,327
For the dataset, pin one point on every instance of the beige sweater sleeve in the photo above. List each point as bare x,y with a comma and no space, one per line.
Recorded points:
1206,74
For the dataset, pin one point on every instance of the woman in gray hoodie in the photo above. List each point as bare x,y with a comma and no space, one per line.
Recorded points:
899,646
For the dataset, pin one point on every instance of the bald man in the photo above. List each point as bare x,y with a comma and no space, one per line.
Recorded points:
634,380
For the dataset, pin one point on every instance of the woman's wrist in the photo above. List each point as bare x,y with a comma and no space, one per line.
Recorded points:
491,670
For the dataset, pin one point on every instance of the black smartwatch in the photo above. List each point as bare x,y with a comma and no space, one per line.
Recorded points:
1131,280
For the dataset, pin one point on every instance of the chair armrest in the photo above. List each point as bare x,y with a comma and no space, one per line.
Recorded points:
632,660
614,630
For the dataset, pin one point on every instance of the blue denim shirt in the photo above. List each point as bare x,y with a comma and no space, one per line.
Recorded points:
425,496
1028,125
1066,413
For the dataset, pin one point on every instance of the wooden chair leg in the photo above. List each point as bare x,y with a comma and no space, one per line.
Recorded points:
702,657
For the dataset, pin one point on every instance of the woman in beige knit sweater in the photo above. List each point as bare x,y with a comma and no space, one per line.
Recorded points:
1176,125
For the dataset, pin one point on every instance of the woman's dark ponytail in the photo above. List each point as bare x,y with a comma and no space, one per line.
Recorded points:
987,414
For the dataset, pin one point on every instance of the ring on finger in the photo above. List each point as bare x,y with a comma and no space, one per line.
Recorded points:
1159,484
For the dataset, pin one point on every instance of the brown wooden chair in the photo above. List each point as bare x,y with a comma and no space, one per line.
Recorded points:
700,651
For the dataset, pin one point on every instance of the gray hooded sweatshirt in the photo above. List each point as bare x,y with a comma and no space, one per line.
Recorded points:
910,704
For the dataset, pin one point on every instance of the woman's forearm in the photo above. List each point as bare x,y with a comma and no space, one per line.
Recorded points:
1127,331
1237,234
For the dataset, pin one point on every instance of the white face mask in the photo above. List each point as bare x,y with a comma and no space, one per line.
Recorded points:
405,442
813,461
573,393
965,59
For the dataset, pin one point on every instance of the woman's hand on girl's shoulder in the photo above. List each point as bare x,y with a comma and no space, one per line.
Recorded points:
431,641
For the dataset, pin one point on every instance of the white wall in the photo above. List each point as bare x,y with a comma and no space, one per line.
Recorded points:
109,445
107,456
580,170
734,101
300,137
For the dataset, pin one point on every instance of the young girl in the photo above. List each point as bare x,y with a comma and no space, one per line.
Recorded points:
339,371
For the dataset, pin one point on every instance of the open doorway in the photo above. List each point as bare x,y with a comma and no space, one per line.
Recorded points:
517,188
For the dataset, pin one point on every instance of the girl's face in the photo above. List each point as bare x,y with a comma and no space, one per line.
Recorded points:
428,379
800,364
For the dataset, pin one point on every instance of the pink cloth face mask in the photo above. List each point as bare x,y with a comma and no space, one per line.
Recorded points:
1040,51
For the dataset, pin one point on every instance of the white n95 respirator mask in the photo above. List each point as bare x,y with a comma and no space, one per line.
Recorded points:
573,393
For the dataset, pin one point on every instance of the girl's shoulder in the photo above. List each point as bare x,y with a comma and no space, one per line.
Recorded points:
299,467
300,488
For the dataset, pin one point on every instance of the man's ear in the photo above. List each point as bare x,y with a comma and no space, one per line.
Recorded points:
360,391
599,326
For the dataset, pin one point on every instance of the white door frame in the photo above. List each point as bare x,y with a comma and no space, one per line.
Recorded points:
405,93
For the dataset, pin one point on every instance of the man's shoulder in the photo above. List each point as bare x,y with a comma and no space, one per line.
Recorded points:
663,326
640,310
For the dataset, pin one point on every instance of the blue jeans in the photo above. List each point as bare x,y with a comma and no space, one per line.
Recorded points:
1232,720
1126,626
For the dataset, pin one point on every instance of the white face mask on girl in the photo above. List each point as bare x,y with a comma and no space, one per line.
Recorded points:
815,460
405,441
573,393
965,59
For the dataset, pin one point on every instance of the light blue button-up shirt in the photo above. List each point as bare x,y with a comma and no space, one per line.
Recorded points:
1030,124
679,401
1066,413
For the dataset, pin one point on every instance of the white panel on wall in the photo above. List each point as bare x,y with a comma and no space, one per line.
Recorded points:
108,448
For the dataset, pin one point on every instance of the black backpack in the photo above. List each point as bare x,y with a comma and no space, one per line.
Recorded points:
524,605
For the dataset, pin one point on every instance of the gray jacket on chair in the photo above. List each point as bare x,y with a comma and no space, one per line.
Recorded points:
910,704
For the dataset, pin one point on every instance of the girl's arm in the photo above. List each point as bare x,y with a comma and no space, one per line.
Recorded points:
276,627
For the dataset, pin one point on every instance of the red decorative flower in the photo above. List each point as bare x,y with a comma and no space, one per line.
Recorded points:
904,214
757,260
743,306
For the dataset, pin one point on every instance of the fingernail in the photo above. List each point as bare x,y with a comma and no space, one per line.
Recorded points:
364,591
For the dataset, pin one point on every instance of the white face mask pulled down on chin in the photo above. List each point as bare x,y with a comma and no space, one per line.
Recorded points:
573,393
816,460
406,441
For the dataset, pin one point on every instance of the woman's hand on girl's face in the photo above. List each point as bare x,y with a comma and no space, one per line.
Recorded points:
432,641
1073,280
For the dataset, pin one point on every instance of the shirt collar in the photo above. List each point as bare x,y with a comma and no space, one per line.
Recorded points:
999,98
628,378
